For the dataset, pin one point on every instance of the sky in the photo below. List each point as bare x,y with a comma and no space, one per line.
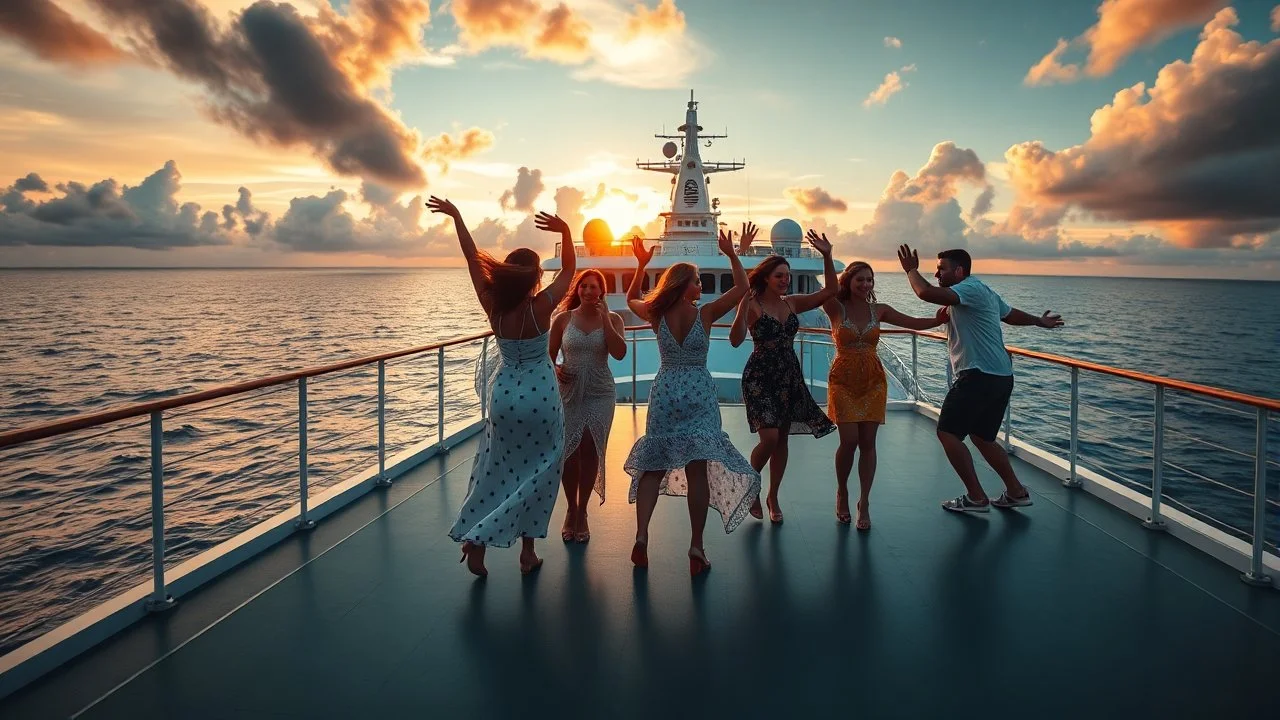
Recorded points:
1121,137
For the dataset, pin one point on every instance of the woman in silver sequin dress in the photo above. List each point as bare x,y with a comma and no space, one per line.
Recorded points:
587,334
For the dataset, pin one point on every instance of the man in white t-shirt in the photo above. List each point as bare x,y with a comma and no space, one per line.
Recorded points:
975,404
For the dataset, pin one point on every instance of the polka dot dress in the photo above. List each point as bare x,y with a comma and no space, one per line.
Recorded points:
683,425
517,468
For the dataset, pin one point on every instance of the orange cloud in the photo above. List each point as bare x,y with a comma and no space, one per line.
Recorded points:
444,148
815,200
486,23
1275,19
1123,26
665,18
1197,154
565,37
374,36
49,32
891,86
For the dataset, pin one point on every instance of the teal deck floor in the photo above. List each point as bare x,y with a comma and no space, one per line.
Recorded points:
1064,609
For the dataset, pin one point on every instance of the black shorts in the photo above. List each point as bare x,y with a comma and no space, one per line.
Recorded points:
975,405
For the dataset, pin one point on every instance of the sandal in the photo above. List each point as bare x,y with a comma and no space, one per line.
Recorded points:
864,522
842,516
698,562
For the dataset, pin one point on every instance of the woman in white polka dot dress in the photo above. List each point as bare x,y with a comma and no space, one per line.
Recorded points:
516,474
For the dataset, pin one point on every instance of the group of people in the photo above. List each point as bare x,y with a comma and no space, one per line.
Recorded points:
549,421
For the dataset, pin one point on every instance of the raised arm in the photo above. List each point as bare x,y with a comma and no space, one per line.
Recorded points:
643,257
738,333
831,284
922,288
717,308
613,338
568,255
893,317
1049,319
469,251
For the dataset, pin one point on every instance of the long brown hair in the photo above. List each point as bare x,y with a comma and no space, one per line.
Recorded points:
571,299
846,281
511,281
759,274
671,287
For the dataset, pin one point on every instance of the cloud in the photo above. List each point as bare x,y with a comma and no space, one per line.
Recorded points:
891,86
665,18
604,41
1275,19
982,205
525,193
1197,154
443,149
146,216
1123,27
285,80
49,32
892,42
815,200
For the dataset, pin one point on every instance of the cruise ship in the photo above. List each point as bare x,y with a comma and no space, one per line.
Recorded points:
1104,599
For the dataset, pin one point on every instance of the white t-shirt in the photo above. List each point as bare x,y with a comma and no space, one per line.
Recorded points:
974,336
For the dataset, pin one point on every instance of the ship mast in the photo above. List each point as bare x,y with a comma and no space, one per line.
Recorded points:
694,214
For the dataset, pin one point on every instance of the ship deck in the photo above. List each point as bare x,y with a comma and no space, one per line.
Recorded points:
1065,609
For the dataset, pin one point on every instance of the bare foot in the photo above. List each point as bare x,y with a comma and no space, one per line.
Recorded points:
529,561
756,511
474,555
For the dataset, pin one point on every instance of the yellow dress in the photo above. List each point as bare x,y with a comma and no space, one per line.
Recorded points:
857,390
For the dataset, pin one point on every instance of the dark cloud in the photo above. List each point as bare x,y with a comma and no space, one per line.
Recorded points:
1198,153
50,32
147,216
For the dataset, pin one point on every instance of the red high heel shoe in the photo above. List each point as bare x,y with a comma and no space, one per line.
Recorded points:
640,554
698,562
470,550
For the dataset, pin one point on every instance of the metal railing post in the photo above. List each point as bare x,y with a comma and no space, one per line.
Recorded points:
1008,417
915,372
440,396
303,522
159,599
1256,574
1072,480
484,370
633,369
382,424
1155,522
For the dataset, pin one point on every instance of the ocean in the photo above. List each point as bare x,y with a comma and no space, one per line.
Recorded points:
74,511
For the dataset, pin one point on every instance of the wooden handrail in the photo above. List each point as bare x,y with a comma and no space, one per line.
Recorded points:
88,420
81,422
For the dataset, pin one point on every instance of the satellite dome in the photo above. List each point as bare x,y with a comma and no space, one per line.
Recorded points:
669,150
786,231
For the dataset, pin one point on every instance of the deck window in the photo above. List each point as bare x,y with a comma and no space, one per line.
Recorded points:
708,281
726,282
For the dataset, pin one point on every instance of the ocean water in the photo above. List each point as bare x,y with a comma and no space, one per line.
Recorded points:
75,511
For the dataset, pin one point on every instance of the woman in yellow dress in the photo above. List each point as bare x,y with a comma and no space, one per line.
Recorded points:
857,390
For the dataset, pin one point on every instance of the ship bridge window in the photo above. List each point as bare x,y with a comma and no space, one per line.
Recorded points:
644,284
610,283
726,282
708,281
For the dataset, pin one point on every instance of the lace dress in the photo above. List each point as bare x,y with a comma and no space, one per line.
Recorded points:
590,397
683,425
857,389
516,473
773,386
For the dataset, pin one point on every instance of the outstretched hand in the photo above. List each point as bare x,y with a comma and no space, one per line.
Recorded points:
749,231
439,205
726,242
909,258
1050,319
819,242
551,223
643,256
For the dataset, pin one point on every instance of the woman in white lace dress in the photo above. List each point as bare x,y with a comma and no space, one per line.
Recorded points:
587,334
